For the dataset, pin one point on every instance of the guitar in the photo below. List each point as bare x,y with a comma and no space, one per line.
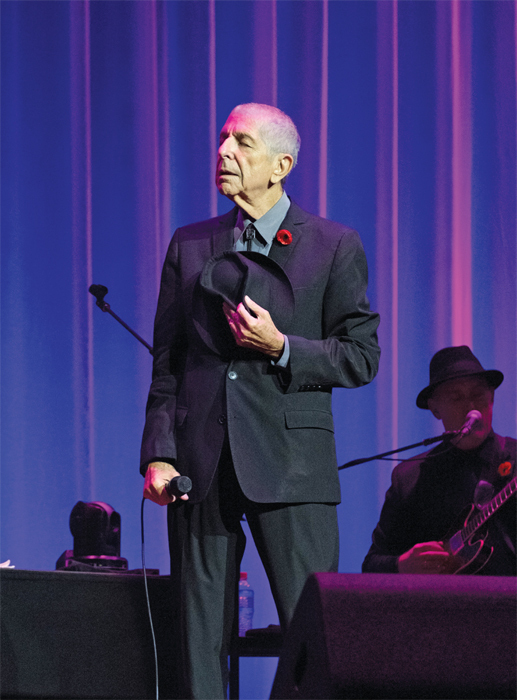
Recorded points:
472,554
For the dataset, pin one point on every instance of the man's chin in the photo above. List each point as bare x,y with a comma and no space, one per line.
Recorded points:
226,189
475,439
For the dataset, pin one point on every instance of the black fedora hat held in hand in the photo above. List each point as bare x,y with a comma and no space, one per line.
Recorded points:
230,277
453,363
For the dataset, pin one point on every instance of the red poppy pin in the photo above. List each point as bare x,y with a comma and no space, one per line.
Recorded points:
504,468
284,236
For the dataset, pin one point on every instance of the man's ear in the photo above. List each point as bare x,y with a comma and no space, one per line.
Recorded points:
283,166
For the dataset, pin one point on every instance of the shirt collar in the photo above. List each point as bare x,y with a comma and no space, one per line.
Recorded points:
269,223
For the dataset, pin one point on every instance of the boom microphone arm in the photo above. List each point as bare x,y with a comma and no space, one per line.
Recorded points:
99,291
472,419
427,441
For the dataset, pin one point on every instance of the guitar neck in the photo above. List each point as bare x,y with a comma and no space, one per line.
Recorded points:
487,511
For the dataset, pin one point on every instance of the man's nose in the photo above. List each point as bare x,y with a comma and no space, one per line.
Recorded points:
226,147
472,403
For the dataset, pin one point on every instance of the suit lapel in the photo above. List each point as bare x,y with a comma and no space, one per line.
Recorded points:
293,222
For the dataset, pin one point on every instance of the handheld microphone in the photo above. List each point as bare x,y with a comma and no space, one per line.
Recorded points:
178,486
473,418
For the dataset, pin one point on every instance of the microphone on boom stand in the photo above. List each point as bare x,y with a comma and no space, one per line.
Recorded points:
472,420
99,291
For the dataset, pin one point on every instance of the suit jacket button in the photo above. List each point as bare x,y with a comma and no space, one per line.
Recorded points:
232,375
222,419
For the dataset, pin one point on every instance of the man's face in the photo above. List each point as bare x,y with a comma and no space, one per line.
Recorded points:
452,400
244,167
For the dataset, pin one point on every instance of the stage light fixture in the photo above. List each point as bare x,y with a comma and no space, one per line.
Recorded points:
95,528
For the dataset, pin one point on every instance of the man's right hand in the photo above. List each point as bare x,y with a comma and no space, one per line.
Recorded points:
158,474
427,558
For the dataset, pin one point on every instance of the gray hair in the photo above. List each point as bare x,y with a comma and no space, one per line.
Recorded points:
276,129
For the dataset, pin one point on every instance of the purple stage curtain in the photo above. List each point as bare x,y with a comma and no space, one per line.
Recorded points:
110,121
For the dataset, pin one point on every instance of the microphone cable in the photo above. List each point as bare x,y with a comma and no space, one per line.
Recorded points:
177,486
149,613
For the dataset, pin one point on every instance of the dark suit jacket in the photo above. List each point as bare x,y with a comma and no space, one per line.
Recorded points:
429,492
279,422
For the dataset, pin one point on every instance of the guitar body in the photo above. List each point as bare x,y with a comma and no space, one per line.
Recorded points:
474,553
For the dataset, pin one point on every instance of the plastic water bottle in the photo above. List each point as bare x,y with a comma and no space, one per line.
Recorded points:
245,605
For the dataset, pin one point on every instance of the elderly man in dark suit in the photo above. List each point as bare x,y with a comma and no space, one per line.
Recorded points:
261,312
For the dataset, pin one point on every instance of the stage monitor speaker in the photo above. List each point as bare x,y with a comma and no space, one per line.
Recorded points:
399,636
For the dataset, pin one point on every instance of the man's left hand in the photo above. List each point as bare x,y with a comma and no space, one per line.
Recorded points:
255,333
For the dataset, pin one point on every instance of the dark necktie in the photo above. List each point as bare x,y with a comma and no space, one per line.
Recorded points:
249,236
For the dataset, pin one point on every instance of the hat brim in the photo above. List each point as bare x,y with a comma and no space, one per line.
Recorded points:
493,376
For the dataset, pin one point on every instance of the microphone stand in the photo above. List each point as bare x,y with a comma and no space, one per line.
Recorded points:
427,441
99,291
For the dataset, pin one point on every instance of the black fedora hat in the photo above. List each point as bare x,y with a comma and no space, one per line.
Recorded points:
453,363
231,276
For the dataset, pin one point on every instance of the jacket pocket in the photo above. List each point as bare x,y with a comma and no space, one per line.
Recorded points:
309,419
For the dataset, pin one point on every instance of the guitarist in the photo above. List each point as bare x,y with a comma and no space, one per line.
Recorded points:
430,491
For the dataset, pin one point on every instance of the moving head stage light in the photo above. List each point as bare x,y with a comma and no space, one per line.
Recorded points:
95,527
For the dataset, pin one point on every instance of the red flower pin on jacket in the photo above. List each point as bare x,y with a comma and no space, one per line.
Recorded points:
505,468
284,236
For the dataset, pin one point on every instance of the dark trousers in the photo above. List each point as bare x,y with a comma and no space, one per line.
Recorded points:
207,543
